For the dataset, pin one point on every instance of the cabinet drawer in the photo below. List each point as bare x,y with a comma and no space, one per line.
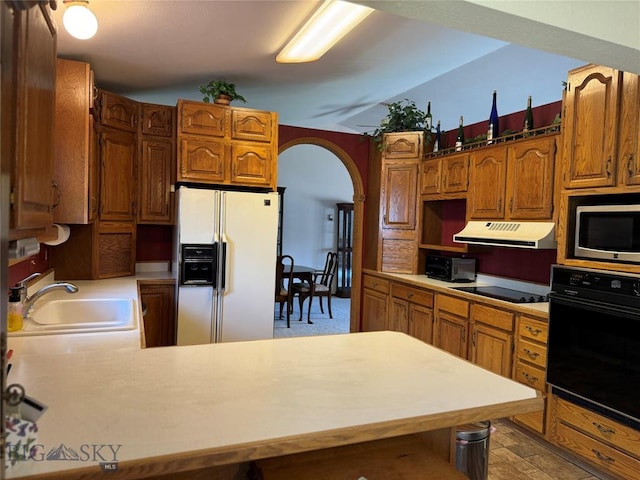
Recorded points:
492,316
375,283
532,352
452,305
413,295
605,457
533,329
620,436
531,376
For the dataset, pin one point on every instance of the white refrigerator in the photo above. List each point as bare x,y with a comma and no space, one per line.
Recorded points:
239,229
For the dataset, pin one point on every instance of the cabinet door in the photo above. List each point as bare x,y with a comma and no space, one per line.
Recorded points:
399,318
530,179
118,112
35,71
374,310
486,199
251,164
202,160
431,177
455,169
75,160
452,334
117,175
202,118
403,145
116,249
157,120
492,349
421,323
589,126
156,165
629,149
399,191
254,125
159,321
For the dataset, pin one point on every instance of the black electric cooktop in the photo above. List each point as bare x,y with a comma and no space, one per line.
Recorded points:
506,294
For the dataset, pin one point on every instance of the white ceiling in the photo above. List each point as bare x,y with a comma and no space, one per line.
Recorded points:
453,53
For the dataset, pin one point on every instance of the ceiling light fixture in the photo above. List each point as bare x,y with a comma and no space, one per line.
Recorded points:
78,20
332,21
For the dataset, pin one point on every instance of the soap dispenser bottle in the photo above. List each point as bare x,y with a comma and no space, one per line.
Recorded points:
14,311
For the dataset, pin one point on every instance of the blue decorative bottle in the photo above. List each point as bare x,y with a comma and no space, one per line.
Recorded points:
493,131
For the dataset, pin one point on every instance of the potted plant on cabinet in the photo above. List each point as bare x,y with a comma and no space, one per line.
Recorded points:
221,92
403,116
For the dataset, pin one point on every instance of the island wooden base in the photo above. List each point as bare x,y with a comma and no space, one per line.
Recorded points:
408,457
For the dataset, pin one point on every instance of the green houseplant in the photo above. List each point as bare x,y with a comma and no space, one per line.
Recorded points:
403,116
220,91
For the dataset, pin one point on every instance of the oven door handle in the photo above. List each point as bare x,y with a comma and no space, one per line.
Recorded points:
584,303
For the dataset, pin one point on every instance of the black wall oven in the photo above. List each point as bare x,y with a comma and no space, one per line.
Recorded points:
594,341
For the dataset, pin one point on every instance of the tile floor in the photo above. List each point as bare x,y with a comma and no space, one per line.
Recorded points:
514,455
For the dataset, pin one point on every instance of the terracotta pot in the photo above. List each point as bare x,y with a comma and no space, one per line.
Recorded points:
223,99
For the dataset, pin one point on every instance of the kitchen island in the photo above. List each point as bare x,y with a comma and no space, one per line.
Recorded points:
214,408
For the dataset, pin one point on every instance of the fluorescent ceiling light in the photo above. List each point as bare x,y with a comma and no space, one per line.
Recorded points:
78,20
332,21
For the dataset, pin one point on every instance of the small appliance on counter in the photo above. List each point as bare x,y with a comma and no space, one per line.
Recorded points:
451,269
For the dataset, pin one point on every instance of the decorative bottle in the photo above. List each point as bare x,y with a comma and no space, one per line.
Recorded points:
428,122
528,118
436,143
460,136
14,311
493,130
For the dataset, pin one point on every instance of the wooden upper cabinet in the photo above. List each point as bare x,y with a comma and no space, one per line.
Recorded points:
399,195
226,145
400,145
29,76
530,179
629,142
251,164
202,118
487,191
446,177
75,153
118,112
252,125
590,126
154,181
157,120
117,175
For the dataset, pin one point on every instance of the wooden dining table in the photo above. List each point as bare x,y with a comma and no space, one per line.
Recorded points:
304,274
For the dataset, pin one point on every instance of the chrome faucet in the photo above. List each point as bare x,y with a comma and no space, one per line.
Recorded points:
30,300
22,284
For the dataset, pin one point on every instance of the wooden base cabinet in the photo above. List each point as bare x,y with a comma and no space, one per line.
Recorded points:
159,318
375,303
530,365
451,324
492,338
610,446
412,311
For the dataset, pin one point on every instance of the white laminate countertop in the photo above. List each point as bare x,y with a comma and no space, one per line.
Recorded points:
245,400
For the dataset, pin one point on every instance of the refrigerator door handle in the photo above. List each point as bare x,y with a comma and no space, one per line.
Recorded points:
223,272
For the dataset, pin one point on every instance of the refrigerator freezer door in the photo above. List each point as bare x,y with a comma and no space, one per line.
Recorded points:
195,309
197,215
250,223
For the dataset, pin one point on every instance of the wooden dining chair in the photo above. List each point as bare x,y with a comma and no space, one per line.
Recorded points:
284,282
321,286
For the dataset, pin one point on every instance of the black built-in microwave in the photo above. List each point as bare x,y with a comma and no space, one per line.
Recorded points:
608,232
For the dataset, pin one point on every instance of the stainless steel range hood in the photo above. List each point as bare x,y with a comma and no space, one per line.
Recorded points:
508,234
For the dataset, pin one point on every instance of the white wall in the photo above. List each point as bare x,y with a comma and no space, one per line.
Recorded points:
315,180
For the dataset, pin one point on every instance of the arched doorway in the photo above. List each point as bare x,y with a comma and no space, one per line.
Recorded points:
358,215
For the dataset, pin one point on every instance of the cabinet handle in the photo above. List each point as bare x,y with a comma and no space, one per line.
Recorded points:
410,295
602,456
473,338
533,331
463,335
531,354
630,168
511,205
56,187
530,378
609,166
604,430
499,204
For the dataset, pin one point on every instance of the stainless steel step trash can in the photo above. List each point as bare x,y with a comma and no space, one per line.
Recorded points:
472,449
